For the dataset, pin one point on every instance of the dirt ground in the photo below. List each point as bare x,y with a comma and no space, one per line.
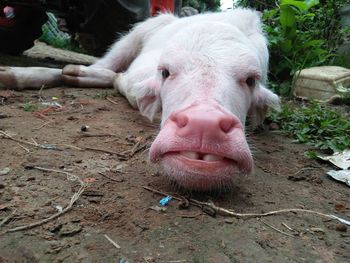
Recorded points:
116,204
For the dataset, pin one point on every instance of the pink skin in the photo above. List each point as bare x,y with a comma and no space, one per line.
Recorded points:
204,129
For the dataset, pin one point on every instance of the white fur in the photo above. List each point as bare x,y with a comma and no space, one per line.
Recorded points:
209,56
226,46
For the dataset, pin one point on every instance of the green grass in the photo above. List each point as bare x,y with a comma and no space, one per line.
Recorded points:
30,107
102,95
315,124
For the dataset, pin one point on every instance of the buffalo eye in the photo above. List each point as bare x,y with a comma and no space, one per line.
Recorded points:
250,82
165,73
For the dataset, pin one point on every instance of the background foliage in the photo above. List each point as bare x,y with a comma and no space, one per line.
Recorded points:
301,34
202,5
304,34
315,124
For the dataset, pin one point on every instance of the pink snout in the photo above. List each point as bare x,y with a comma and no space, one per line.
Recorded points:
202,147
204,122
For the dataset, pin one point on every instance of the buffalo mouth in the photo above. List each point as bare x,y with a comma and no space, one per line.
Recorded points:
200,171
199,156
200,159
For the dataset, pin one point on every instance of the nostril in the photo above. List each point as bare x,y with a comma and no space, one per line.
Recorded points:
181,120
227,124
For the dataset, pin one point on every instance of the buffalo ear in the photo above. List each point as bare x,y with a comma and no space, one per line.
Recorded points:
148,97
262,100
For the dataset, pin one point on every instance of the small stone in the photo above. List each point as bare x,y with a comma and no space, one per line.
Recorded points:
48,203
5,171
84,128
54,228
184,204
3,115
219,257
26,254
317,230
143,225
70,230
33,188
229,221
341,227
209,211
55,246
223,244
274,126
93,193
158,208
346,235
31,178
7,197
28,166
296,178
94,199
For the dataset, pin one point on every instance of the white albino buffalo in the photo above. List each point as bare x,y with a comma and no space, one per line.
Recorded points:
206,73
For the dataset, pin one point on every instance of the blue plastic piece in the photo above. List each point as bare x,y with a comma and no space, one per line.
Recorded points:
165,200
48,146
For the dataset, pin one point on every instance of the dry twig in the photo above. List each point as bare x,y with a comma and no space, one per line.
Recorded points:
24,148
112,242
162,193
112,101
35,144
228,212
34,141
7,136
104,151
191,216
40,93
81,135
88,135
74,198
304,169
42,126
110,178
135,149
276,229
288,227
6,219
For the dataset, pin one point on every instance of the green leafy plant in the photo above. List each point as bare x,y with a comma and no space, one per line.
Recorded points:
291,47
301,34
101,95
202,5
315,124
54,37
30,107
57,41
